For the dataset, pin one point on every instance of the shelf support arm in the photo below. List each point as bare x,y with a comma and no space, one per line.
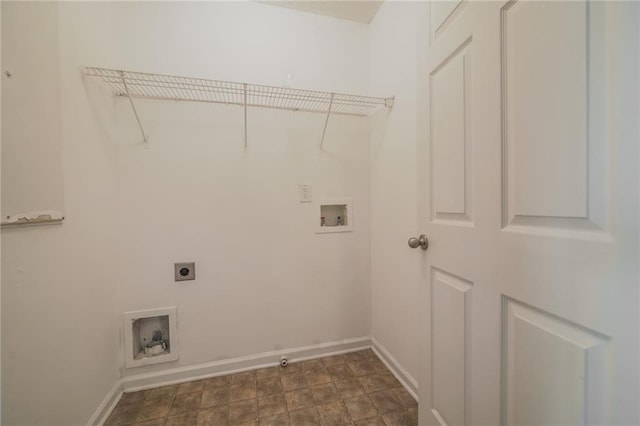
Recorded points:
326,120
245,116
133,107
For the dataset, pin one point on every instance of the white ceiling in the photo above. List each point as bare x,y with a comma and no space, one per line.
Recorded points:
354,10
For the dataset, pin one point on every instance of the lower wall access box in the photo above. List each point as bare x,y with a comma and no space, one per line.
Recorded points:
151,337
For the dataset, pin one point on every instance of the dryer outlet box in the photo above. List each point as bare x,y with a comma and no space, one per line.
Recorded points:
184,271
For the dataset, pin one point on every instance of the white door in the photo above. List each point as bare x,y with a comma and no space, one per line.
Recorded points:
529,198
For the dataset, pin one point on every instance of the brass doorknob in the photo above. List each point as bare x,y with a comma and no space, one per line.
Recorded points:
422,241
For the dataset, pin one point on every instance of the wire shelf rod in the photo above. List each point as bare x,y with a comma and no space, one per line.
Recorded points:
326,122
133,107
245,116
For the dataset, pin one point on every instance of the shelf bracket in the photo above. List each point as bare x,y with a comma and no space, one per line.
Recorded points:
245,115
133,107
326,120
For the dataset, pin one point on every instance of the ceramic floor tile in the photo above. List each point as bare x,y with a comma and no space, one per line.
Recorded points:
155,409
405,398
325,393
333,360
369,354
361,368
243,390
319,367
243,412
306,416
269,386
186,403
271,405
318,376
378,365
373,382
119,421
186,419
376,421
349,387
124,414
401,418
340,372
360,407
312,365
132,397
264,373
163,392
353,357
214,382
333,413
212,397
277,420
386,401
294,381
156,422
245,376
214,416
299,399
390,379
292,368
191,387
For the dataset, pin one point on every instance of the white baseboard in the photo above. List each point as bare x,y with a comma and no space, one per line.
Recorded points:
251,362
236,365
107,405
409,383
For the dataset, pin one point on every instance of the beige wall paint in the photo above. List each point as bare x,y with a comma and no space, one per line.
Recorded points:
397,35
60,349
265,280
1,63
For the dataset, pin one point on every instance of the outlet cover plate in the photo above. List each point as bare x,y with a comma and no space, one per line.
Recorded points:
184,271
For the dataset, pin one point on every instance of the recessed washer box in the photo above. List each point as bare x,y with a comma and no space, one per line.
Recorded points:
151,336
335,215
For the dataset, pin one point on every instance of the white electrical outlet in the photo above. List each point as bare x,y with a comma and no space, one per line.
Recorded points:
304,193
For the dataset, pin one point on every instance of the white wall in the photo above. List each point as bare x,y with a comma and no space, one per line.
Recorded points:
60,352
1,63
31,92
265,280
396,38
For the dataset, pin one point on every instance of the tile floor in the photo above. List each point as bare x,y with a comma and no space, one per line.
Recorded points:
349,389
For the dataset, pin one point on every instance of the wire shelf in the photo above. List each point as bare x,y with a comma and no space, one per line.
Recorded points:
169,87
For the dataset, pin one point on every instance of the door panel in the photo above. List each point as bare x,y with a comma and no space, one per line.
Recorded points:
441,13
530,203
535,342
451,138
545,108
555,169
451,304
